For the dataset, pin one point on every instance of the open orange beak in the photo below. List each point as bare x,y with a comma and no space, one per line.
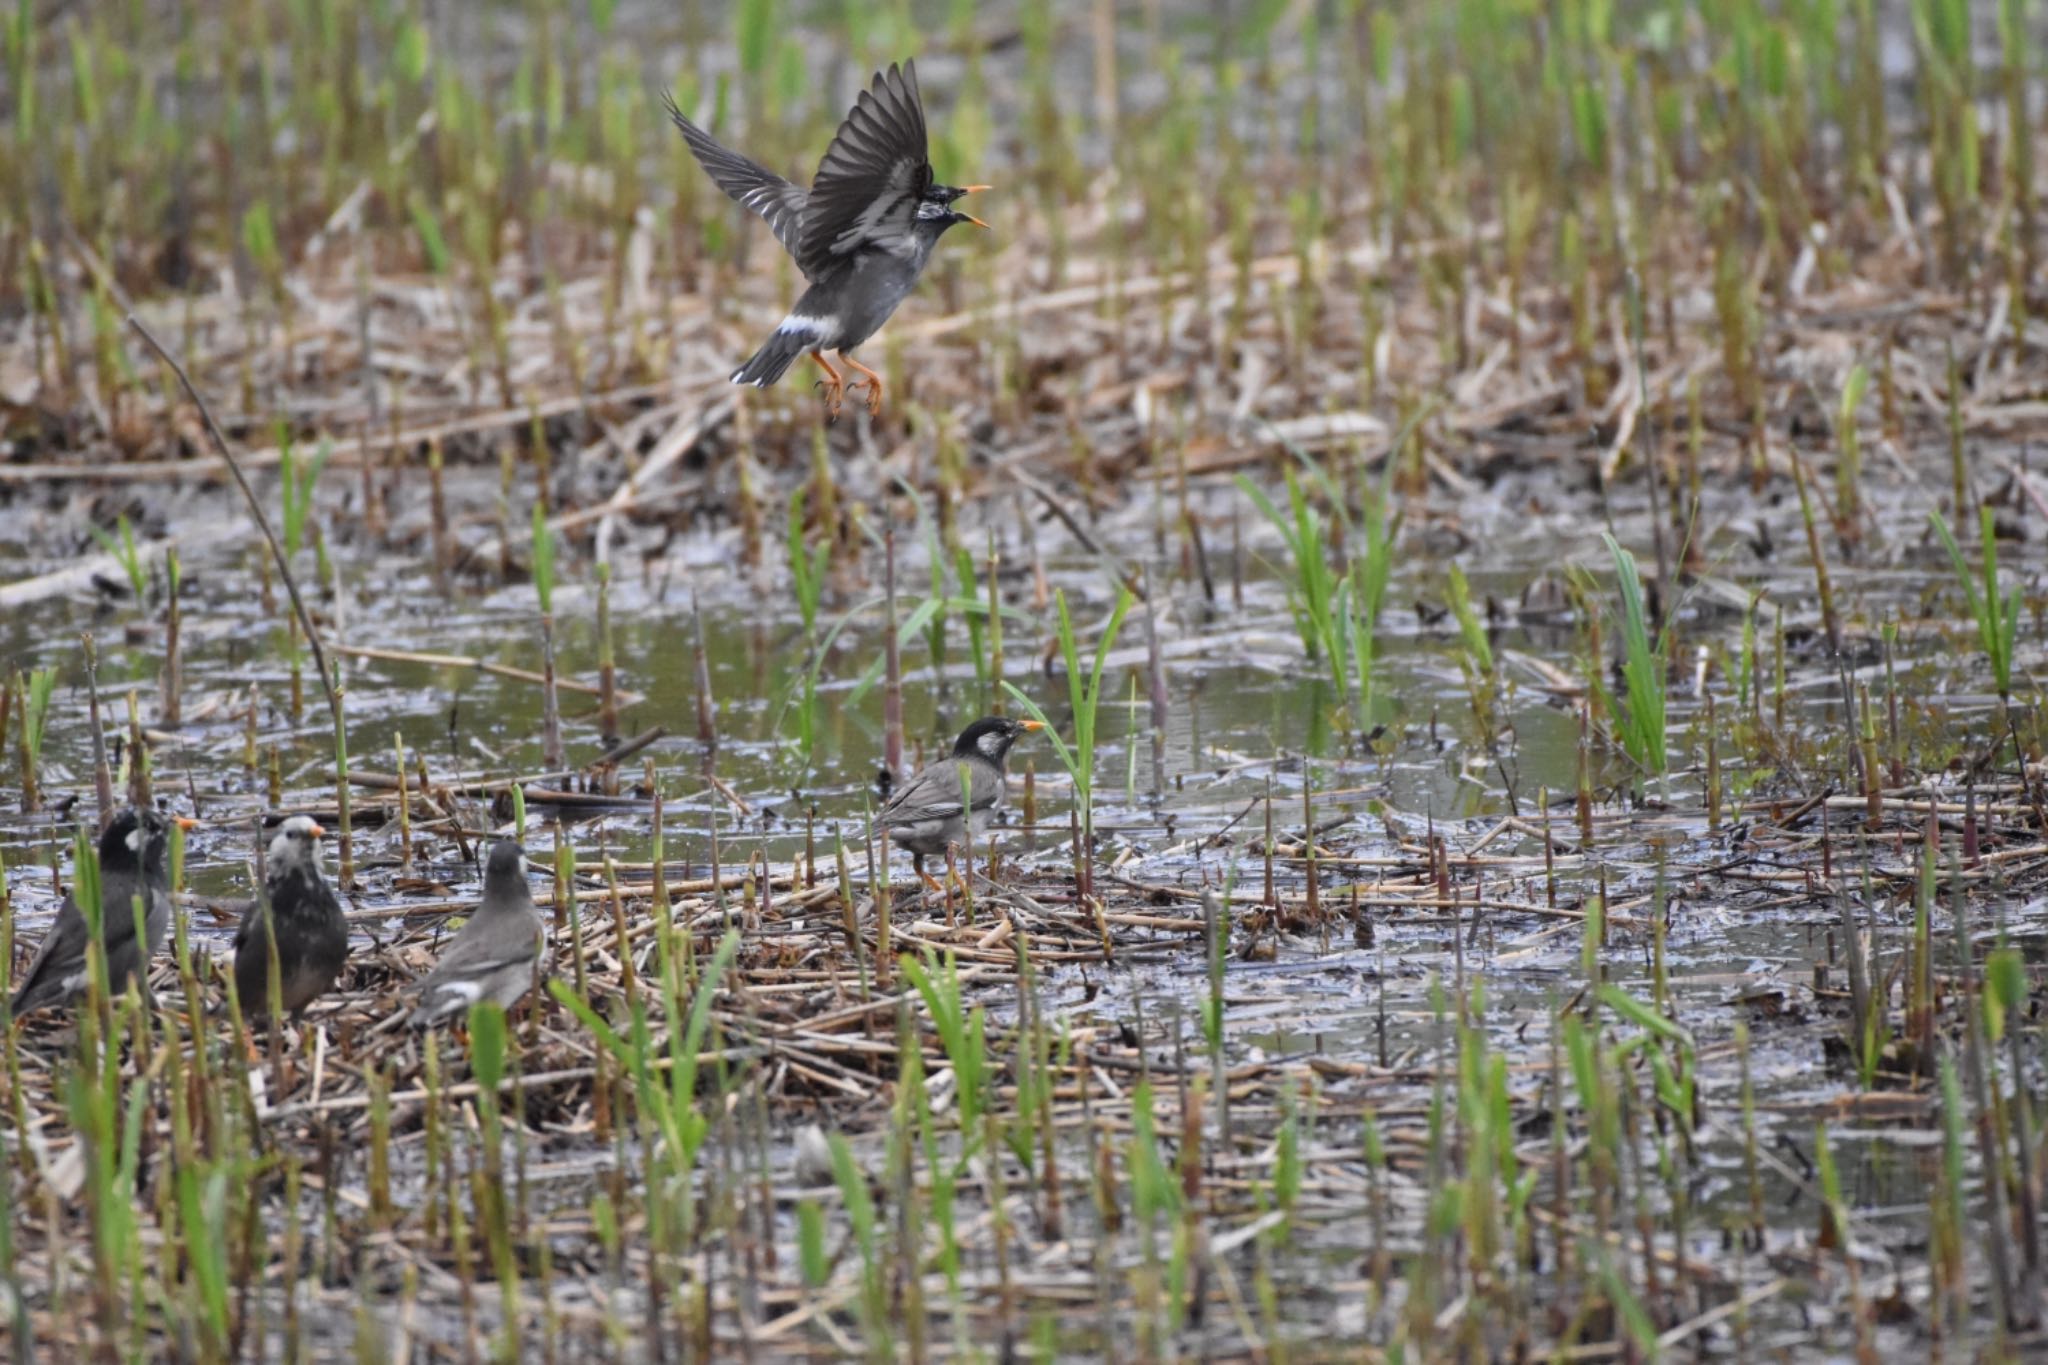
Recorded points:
973,189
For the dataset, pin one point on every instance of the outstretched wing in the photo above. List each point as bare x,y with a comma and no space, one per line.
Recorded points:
754,185
871,178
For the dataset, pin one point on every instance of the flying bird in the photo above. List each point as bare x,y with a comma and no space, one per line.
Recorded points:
861,234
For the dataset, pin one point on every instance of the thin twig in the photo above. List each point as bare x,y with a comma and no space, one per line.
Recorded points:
284,569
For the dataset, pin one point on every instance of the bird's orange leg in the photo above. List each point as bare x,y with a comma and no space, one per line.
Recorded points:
874,384
834,385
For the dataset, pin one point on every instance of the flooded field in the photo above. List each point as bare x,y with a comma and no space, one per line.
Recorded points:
1537,848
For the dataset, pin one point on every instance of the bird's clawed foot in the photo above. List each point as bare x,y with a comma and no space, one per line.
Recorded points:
868,378
834,391
874,389
834,387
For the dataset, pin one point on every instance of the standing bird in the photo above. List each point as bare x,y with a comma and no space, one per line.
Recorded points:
492,956
300,911
925,816
861,235
132,863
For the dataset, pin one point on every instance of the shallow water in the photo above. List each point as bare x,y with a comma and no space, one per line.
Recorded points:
1246,717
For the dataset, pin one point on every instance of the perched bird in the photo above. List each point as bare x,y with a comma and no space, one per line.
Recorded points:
926,816
861,235
492,957
132,853
300,911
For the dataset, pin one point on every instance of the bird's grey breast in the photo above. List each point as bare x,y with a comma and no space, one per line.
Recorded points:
986,805
880,277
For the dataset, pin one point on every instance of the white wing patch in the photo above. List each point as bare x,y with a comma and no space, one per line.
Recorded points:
814,327
863,227
889,214
449,992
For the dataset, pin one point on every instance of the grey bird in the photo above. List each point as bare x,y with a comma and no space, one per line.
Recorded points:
926,814
132,853
861,234
492,956
299,910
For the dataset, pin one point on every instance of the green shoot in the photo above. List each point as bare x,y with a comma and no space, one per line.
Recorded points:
1642,721
1471,630
125,553
41,684
295,487
1312,589
961,1032
1997,618
1849,451
806,564
543,560
1083,691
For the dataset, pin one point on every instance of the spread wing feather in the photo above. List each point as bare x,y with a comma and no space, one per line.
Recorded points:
871,178
780,203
